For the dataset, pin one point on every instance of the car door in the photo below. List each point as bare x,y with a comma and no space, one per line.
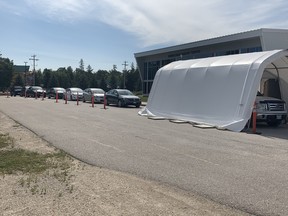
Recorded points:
29,92
68,94
53,93
85,94
89,95
115,97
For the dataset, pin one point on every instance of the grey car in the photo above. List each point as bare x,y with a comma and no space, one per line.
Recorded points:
122,98
74,93
97,92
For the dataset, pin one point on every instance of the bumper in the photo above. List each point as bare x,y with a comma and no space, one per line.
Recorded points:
274,117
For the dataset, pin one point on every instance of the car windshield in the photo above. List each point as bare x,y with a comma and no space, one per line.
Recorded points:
36,88
97,91
59,89
124,92
76,90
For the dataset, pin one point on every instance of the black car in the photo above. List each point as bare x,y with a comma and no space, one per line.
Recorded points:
24,90
51,93
32,91
122,98
16,90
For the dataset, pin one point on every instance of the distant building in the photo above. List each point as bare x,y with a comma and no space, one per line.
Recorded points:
21,68
246,42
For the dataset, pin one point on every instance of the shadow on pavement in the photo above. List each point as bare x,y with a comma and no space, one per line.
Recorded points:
280,132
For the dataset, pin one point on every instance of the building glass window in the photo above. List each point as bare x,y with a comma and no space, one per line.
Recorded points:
150,69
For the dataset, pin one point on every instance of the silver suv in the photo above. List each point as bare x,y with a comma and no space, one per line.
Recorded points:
271,110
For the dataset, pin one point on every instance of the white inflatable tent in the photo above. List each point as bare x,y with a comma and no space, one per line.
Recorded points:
216,91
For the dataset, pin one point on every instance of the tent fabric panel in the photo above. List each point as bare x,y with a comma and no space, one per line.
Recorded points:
218,91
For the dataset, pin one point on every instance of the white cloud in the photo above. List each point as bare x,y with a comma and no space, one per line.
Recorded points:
169,21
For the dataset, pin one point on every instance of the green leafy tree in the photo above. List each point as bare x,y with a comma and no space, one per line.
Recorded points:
103,84
81,64
38,78
133,81
6,73
89,69
18,80
114,78
53,82
93,82
81,79
46,77
113,81
101,74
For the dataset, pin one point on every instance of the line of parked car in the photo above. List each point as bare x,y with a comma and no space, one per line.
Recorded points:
119,97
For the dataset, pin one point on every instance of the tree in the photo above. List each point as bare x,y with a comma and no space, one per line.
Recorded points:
89,69
6,73
53,82
94,82
113,81
114,78
38,78
81,79
18,80
133,81
101,74
81,65
103,84
46,77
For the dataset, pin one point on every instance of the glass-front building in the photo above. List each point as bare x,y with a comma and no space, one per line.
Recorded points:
149,62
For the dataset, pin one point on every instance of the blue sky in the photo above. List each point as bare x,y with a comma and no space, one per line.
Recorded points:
108,32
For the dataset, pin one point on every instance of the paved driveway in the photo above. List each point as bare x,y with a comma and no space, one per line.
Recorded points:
242,170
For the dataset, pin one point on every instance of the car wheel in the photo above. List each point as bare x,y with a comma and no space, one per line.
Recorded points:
120,103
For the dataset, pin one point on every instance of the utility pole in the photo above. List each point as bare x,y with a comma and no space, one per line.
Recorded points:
125,65
25,71
34,60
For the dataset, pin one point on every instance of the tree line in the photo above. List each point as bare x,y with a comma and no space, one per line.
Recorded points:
67,77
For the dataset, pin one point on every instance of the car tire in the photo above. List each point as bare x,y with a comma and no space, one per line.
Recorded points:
120,104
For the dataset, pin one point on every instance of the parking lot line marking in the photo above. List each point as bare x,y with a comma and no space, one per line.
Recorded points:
106,145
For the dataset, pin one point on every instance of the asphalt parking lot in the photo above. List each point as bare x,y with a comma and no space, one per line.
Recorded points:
242,170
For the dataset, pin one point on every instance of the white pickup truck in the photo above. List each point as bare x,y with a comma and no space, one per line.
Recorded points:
273,111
